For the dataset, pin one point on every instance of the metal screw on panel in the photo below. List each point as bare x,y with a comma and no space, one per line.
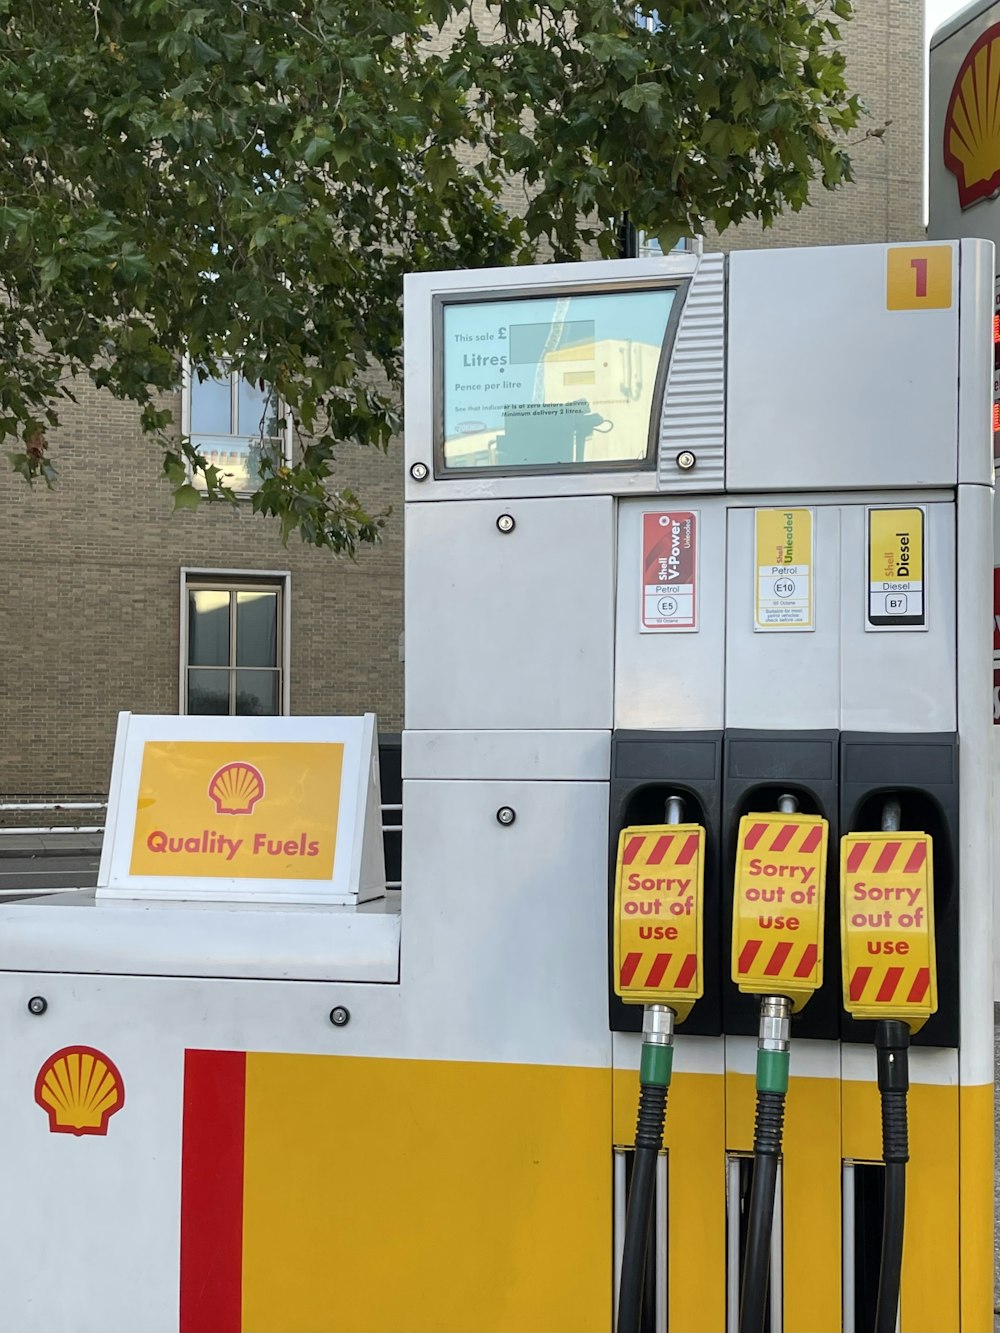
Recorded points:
506,523
686,460
506,816
419,471
37,1005
339,1016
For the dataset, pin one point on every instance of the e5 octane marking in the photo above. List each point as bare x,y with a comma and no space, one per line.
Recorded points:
896,569
669,571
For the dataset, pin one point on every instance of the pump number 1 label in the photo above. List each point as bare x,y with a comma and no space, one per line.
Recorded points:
784,592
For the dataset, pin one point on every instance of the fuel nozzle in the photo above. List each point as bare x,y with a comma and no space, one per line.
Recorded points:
657,963
890,975
778,955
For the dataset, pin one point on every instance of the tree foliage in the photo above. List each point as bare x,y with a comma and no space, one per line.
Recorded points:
246,182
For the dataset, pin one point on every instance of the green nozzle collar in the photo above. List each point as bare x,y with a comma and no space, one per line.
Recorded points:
772,1071
655,1064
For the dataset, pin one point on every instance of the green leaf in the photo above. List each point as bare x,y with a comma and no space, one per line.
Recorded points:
186,497
641,96
246,185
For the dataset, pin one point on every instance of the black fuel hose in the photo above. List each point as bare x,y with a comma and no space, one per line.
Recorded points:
892,1042
757,1259
641,1200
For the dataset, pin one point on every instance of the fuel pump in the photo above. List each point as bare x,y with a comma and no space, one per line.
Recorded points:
889,976
734,586
659,886
778,955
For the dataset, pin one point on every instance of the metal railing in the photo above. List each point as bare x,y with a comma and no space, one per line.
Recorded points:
35,830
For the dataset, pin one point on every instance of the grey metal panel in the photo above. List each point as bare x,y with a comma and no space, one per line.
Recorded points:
74,933
897,680
694,405
510,631
506,935
783,680
975,402
827,388
535,755
671,678
976,779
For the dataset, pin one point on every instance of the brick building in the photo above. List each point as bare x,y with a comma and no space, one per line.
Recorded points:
115,603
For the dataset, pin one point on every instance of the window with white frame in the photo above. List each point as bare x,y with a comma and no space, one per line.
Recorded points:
233,422
234,644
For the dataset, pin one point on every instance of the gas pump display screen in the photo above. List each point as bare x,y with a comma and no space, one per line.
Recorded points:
553,382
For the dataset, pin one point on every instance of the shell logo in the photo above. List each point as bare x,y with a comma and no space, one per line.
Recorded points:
972,124
236,789
80,1089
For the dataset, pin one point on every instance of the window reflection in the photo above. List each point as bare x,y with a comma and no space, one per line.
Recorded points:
552,381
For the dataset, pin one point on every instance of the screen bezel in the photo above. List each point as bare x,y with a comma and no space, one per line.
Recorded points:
647,463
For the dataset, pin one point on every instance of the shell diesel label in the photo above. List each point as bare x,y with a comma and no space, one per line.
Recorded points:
887,926
778,905
972,122
658,915
80,1089
260,810
896,568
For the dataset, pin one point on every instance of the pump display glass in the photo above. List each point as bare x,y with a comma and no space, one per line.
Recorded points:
554,381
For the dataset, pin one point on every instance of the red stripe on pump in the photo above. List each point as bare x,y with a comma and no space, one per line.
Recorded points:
631,850
688,969
211,1251
689,849
777,960
856,855
660,850
859,981
808,962
920,986
656,972
749,953
632,961
886,858
917,858
783,837
812,839
888,987
754,835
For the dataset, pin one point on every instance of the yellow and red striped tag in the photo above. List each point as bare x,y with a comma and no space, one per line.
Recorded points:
658,915
887,926
778,905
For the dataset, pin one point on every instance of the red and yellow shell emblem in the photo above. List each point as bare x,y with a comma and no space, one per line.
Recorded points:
80,1089
972,125
236,789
